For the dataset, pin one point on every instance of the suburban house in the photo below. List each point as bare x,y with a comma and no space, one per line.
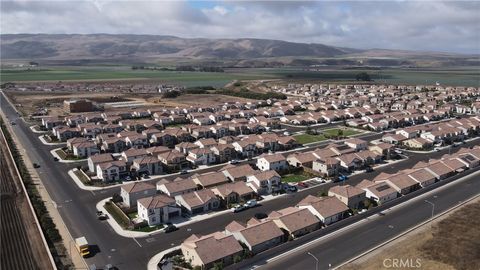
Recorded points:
327,167
423,177
234,192
327,209
173,160
210,179
265,182
351,196
131,192
177,187
113,145
157,209
132,154
205,251
201,156
199,201
85,149
295,222
402,183
276,162
357,144
94,160
238,172
301,159
223,152
380,192
149,165
256,235
111,170
76,140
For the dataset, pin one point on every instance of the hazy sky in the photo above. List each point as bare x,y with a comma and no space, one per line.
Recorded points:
419,25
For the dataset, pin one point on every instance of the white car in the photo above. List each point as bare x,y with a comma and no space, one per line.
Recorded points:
250,203
362,211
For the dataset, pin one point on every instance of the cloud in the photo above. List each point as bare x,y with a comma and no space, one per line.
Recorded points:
419,25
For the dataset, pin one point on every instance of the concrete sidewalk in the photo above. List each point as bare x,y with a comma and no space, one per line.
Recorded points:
32,128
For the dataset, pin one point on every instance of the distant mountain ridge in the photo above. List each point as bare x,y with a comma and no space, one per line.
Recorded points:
149,48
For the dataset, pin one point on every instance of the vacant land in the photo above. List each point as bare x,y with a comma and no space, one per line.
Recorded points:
452,243
324,135
196,100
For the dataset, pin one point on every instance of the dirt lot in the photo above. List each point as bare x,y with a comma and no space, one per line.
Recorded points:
452,243
31,101
196,100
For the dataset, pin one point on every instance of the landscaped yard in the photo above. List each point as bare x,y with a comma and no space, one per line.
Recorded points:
148,228
324,134
85,179
117,214
294,178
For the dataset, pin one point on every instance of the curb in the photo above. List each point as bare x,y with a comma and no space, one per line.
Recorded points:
61,160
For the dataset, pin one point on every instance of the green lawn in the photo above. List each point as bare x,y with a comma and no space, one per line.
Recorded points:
308,138
293,178
148,228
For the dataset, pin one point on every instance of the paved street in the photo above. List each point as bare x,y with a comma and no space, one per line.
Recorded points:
345,245
77,207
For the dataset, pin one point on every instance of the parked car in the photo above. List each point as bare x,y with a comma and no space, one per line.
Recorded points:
13,123
302,184
237,208
170,228
250,203
233,161
437,149
368,169
55,159
362,211
184,171
287,187
128,178
35,165
260,215
101,215
286,133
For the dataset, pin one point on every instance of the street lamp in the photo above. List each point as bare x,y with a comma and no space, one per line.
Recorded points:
315,258
433,209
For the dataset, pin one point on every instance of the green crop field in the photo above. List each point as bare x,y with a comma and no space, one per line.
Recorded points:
125,73
454,77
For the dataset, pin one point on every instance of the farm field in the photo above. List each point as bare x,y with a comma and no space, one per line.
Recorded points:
453,77
188,79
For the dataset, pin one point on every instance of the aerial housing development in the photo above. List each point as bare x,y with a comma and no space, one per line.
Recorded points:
214,135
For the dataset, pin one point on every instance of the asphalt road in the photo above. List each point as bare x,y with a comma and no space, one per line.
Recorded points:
334,250
77,206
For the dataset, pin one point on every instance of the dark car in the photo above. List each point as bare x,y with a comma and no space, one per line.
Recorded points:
368,169
170,228
260,215
55,158
35,165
